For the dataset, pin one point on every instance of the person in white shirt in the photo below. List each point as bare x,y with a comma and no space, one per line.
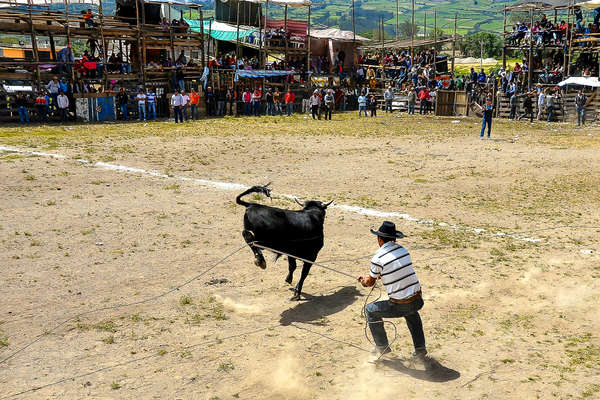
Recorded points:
541,104
315,103
141,100
62,102
388,96
362,104
392,263
177,104
186,102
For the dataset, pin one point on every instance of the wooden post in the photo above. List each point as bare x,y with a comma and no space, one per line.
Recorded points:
435,40
504,41
530,60
570,34
353,23
237,39
201,15
104,55
69,36
139,44
425,26
34,47
397,21
454,43
171,34
285,21
261,59
308,42
412,35
52,47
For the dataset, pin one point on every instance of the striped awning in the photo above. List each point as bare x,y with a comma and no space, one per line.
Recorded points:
260,73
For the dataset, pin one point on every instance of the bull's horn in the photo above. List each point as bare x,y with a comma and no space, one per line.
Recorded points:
328,204
267,185
296,200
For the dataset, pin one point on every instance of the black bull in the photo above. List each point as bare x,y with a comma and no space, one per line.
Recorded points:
299,233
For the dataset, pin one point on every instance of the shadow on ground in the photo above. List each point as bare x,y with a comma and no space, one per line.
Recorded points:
434,371
318,307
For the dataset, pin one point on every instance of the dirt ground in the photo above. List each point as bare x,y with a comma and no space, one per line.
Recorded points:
503,235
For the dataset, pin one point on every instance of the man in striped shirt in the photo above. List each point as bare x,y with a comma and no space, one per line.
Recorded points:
393,265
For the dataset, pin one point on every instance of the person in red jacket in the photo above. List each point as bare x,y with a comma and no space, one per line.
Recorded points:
425,97
289,102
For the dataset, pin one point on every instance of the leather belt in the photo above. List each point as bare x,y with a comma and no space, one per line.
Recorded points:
414,297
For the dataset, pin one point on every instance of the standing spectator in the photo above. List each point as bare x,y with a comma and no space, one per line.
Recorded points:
362,104
277,102
315,102
528,106
123,99
63,106
388,96
424,97
40,108
65,55
220,99
373,105
550,105
185,103
256,97
21,103
194,100
329,104
270,103
290,97
412,99
230,96
488,112
141,100
53,88
177,104
151,101
580,100
210,101
541,103
247,99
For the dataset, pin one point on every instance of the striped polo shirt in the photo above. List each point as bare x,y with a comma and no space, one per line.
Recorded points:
393,264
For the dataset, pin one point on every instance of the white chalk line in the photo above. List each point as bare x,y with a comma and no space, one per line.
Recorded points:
237,186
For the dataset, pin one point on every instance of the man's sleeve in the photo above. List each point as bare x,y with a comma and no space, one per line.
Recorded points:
375,270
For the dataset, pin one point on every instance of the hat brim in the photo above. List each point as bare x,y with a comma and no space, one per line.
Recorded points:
397,235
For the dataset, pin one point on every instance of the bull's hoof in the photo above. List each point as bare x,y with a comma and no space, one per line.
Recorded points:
260,263
296,297
289,279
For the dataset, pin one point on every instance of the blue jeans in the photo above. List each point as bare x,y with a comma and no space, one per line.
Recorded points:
388,309
361,109
289,108
580,116
488,122
184,111
124,111
194,111
178,114
23,115
256,108
152,111
550,112
247,108
411,108
388,106
142,112
181,84
270,109
126,68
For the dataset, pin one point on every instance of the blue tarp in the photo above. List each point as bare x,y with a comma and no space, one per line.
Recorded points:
260,73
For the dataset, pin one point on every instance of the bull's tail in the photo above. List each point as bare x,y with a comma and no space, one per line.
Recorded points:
254,189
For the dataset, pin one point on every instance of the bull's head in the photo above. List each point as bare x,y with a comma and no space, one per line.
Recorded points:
263,189
314,204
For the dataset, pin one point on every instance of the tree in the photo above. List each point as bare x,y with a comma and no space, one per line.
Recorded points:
470,46
406,29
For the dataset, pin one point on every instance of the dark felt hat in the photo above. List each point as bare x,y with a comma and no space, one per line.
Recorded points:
388,230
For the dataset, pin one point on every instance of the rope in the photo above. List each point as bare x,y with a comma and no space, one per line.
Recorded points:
118,306
109,367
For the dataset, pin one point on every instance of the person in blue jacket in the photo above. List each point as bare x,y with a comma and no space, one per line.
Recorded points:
488,111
